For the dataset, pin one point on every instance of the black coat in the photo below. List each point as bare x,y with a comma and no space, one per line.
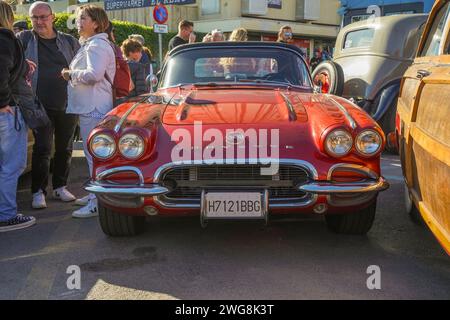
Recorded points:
13,69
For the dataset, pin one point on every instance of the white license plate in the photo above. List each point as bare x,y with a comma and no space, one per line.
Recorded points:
233,205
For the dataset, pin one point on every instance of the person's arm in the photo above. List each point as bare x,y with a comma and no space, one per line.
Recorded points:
6,65
96,64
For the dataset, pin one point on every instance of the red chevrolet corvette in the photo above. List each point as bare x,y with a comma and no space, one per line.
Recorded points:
236,131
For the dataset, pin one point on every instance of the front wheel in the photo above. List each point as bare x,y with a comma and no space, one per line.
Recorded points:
359,222
119,225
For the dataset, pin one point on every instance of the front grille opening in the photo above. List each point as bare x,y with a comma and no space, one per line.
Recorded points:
187,183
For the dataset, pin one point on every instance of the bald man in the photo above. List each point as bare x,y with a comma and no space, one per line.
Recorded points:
51,51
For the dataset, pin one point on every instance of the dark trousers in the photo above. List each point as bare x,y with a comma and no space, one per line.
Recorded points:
62,129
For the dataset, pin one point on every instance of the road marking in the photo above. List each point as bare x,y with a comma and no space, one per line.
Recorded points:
42,276
105,291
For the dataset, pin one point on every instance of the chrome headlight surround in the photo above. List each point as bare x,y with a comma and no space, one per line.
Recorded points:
102,146
369,142
338,143
131,146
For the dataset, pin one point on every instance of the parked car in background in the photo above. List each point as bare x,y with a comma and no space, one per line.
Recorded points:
200,144
423,127
369,61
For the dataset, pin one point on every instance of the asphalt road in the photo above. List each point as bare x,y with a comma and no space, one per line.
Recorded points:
176,259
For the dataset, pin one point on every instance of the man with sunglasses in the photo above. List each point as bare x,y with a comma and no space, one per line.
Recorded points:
51,51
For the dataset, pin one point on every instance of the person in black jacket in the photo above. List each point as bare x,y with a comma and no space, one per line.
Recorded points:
13,130
133,52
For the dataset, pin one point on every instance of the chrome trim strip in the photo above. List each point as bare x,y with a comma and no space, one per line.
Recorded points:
308,203
350,119
346,187
352,167
125,116
292,114
100,187
294,162
103,175
110,189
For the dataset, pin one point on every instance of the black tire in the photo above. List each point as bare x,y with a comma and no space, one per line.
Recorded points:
335,74
411,209
358,223
119,225
387,123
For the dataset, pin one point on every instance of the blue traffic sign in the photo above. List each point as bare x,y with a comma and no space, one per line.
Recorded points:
160,14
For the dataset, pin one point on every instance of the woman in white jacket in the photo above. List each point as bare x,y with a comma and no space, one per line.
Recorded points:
90,77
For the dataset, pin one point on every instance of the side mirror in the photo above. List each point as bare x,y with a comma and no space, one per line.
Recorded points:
151,81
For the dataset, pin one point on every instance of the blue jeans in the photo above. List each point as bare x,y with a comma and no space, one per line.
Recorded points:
13,160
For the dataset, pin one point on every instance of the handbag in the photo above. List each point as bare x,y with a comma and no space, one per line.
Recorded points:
34,114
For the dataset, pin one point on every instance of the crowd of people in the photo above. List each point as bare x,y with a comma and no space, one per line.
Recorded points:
77,82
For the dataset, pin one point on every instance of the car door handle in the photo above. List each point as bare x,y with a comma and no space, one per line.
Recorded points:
423,74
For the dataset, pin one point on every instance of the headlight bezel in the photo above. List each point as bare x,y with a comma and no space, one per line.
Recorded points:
134,135
331,152
360,135
112,141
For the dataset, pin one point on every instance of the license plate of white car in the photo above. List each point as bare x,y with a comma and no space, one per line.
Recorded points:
233,205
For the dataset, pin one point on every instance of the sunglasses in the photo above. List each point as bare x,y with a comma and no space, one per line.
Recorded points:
288,34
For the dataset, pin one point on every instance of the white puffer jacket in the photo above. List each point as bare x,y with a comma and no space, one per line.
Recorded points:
89,90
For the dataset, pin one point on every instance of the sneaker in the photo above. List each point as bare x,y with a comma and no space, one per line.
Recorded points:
63,194
82,201
16,223
88,211
39,200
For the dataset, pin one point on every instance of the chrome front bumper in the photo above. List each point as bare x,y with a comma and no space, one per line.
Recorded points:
106,188
318,187
327,187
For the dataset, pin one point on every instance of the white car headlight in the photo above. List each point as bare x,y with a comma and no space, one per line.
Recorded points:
338,143
368,142
103,146
131,146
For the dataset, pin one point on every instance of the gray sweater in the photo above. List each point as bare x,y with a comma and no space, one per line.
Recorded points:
66,43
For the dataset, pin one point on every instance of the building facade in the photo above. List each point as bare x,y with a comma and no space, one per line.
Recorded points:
357,10
315,23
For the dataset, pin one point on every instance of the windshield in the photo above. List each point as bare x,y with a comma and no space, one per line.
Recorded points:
236,65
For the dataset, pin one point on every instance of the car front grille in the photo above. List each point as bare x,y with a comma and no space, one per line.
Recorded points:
188,182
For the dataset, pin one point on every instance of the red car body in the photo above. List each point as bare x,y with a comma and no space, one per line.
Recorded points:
311,180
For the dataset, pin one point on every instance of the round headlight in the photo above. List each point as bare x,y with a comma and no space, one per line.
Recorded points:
131,146
338,143
369,142
103,146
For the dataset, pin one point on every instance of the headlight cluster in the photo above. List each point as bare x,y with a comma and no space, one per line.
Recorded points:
131,146
369,142
103,146
339,143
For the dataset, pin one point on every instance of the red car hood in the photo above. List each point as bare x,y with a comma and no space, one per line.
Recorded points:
233,107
